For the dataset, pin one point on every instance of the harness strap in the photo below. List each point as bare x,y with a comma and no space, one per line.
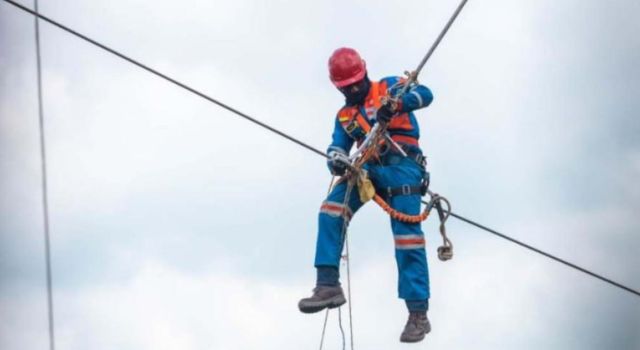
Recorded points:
404,190
363,123
410,140
388,155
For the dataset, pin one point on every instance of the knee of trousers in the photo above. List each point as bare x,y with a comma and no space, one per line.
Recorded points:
331,221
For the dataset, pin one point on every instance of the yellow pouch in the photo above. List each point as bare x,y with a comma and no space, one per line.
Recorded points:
365,187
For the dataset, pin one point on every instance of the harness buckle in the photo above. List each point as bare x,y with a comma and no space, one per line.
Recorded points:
426,180
406,189
421,160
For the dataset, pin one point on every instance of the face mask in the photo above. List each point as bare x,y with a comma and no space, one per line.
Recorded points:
356,93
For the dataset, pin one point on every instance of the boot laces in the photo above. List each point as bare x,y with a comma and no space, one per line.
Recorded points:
415,318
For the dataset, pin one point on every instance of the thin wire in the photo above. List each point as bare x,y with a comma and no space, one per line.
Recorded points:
169,79
550,256
45,199
314,150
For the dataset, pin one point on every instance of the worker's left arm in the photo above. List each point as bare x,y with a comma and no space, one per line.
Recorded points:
418,96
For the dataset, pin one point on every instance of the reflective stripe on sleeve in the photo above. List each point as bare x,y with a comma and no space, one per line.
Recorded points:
417,95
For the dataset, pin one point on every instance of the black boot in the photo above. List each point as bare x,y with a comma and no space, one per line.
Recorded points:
323,297
416,328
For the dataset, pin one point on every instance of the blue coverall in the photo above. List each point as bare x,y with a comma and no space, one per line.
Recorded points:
390,171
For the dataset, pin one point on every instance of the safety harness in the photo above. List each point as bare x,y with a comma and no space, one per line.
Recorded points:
376,145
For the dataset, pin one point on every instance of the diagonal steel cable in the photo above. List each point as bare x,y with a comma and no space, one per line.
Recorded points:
550,256
311,148
167,78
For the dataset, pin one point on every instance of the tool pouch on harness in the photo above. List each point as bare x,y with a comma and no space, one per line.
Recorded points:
365,187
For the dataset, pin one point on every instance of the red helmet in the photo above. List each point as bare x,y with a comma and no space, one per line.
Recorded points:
346,67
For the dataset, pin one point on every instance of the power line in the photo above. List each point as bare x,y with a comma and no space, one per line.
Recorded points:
167,78
291,138
550,256
45,199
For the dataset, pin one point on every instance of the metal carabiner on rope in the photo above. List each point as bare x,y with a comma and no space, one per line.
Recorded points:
445,251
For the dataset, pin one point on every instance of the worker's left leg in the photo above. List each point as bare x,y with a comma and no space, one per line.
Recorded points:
413,272
413,275
411,258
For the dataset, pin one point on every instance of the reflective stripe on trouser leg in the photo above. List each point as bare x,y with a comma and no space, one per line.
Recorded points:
411,257
330,222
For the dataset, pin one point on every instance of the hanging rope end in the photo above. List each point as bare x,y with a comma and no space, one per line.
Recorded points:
445,253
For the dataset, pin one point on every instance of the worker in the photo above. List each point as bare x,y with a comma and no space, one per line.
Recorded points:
399,178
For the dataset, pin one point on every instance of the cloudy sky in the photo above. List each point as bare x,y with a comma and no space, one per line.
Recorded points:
177,225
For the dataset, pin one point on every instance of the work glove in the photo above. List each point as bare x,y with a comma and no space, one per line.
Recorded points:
386,112
337,163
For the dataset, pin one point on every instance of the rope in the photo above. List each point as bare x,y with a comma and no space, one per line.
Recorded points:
326,314
324,327
314,150
345,238
344,231
399,216
45,199
344,346
445,251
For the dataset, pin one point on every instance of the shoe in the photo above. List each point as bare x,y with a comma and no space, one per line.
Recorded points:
416,328
323,297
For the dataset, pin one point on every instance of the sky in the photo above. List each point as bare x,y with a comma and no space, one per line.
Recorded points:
177,225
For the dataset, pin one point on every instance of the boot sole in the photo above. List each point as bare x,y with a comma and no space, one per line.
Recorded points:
313,307
416,340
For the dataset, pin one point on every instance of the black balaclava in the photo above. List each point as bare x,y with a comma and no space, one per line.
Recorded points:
357,98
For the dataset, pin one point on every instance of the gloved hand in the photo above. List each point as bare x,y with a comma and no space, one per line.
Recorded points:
386,112
336,163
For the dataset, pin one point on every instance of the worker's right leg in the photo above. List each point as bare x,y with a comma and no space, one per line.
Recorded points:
332,222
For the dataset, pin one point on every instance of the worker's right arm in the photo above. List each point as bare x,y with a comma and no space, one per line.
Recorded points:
341,142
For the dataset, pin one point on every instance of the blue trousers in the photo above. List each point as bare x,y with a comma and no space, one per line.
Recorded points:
411,259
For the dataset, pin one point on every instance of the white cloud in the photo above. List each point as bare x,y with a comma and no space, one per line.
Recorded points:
164,308
151,187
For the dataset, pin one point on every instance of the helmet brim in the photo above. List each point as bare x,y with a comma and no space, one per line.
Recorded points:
349,81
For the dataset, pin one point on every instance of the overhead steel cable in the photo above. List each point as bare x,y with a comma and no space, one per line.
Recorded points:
45,199
167,78
550,256
311,148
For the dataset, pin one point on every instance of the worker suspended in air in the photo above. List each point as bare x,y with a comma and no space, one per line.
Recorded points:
399,175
